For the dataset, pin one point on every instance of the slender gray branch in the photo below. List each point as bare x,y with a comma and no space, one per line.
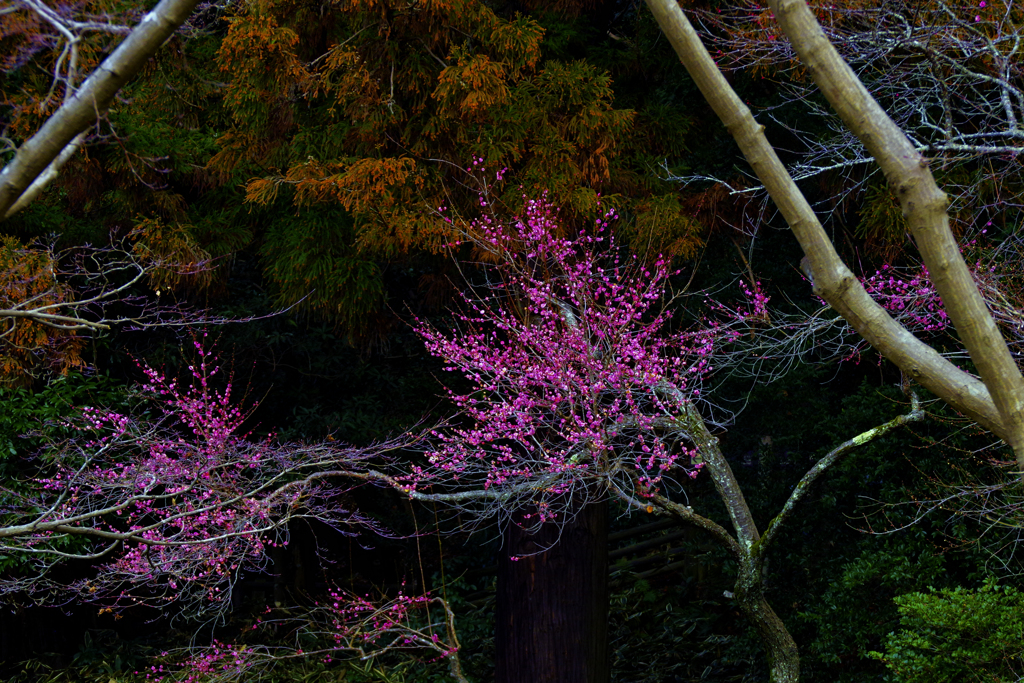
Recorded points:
802,487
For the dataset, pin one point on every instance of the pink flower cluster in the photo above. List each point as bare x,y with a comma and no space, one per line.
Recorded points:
179,496
909,297
345,627
576,380
175,499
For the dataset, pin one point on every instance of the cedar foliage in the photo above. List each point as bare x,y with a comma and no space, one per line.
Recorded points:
28,347
392,101
326,138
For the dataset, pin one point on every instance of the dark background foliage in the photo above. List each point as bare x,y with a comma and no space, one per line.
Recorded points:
209,157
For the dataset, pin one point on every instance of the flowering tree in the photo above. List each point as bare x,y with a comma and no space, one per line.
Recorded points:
581,392
568,356
176,504
346,626
564,349
343,627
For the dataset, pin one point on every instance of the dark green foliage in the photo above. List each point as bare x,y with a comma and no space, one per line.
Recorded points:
853,613
30,418
102,656
661,634
958,635
28,414
337,283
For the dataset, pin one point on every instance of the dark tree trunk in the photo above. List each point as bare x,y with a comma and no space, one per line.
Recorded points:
779,646
552,621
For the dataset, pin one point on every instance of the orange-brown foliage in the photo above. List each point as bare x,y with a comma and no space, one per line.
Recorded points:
27,281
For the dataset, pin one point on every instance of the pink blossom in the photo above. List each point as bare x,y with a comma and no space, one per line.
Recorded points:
574,371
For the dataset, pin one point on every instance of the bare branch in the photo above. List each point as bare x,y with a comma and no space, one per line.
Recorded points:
832,279
88,103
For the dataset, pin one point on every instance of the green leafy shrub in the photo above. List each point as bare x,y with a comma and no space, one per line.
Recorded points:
958,635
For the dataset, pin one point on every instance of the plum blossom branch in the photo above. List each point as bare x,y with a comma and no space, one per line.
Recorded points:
177,505
565,344
344,627
768,341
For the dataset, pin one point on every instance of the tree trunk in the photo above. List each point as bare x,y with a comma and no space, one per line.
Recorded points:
779,646
552,621
996,402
